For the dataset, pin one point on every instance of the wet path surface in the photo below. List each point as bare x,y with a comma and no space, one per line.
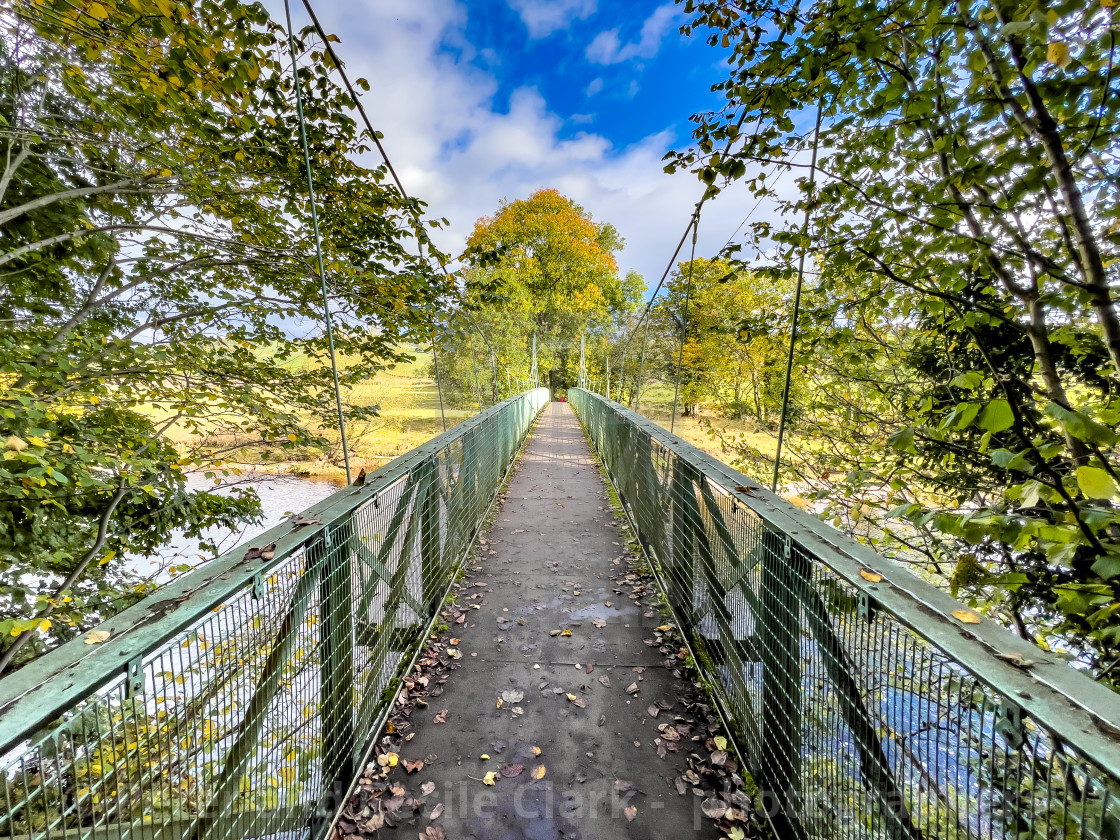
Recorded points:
562,689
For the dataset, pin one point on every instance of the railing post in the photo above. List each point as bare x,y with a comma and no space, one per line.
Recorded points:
431,549
779,634
336,657
681,583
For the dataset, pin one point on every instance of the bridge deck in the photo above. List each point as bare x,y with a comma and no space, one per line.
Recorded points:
554,560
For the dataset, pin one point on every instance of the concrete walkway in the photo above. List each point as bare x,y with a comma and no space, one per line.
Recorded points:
572,745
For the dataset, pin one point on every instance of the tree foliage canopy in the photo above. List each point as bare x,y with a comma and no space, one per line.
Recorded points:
540,266
965,229
159,275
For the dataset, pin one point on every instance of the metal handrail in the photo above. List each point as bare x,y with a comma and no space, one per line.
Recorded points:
369,553
1078,718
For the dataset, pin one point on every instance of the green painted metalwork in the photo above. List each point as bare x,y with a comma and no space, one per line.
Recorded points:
238,699
863,707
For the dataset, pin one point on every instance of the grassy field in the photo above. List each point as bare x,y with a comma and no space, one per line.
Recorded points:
409,416
743,444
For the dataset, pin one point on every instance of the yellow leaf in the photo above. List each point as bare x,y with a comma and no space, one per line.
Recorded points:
98,11
499,703
293,438
664,628
45,625
566,633
94,400
1108,4
490,778
1057,53
571,697
484,757
538,771
966,616
391,759
720,742
96,637
36,441
874,577
536,750
107,558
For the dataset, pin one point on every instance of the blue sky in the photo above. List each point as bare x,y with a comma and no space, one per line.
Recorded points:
482,100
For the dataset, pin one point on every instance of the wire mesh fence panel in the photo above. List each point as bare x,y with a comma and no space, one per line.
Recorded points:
237,700
863,707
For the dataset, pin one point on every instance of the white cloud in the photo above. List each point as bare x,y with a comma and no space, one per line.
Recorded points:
607,48
454,148
543,17
595,86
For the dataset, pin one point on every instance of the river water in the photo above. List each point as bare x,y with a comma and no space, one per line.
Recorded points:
280,495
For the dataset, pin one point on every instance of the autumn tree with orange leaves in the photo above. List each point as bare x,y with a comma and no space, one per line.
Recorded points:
540,265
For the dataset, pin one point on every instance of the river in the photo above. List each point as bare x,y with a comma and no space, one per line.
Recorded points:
280,495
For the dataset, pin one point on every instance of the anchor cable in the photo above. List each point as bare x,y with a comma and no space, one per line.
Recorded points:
797,301
318,242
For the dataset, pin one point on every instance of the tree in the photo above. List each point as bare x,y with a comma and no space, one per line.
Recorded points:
541,266
160,273
967,195
733,341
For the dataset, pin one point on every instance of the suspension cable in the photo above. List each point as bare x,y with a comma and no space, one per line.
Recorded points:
797,298
439,387
384,154
318,242
684,322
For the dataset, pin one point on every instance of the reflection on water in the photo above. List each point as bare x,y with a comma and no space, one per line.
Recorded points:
280,495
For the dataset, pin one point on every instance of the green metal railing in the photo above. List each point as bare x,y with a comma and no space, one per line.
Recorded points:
237,700
865,709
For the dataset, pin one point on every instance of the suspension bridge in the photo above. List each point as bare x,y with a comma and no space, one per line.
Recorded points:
556,619
465,646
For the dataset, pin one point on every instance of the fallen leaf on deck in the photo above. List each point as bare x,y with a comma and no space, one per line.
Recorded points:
566,633
598,622
441,717
554,632
664,628
630,813
622,786
1016,659
538,771
428,788
966,616
605,680
873,577
714,808
720,742
412,766
437,812
512,695
96,637
490,778
511,770
453,642
536,750
654,710
632,688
